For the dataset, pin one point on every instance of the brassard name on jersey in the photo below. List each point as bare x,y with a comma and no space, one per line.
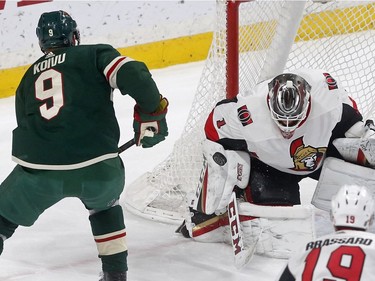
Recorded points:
345,240
49,62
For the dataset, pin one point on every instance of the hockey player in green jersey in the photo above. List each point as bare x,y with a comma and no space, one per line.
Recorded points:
66,140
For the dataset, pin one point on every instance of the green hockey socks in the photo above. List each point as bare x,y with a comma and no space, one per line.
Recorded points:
109,233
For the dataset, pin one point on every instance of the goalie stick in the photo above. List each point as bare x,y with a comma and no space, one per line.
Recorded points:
242,254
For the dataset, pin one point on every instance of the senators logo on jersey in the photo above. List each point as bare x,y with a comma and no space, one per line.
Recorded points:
332,84
244,115
220,123
306,158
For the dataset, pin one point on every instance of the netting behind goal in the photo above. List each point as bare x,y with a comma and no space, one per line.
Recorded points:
273,36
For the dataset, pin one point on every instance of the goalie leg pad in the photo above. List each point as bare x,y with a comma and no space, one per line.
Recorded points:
275,234
279,237
202,227
222,171
278,228
212,228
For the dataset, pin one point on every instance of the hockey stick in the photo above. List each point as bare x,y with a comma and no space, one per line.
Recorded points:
126,145
242,254
149,133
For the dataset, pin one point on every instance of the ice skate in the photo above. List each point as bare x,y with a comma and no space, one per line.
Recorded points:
113,276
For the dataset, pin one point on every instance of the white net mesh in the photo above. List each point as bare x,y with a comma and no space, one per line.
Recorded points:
337,36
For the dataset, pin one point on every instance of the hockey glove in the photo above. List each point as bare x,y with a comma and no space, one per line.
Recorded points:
150,128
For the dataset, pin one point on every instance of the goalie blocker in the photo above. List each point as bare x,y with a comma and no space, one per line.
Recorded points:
358,149
336,173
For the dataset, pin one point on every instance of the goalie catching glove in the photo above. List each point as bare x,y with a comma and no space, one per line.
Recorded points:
150,128
359,144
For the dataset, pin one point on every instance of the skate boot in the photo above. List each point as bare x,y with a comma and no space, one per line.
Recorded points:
113,276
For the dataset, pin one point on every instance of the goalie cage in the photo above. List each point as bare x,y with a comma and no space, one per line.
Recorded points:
252,41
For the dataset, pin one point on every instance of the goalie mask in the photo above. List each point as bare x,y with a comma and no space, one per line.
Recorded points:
353,207
288,101
57,29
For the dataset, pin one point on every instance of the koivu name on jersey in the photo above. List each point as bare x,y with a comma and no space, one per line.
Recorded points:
49,62
345,240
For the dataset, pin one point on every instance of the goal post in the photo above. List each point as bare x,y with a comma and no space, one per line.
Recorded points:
232,59
253,41
237,40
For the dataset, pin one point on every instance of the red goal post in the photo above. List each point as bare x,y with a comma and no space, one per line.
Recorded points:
232,50
253,41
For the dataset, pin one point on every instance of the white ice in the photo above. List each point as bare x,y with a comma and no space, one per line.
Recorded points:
60,247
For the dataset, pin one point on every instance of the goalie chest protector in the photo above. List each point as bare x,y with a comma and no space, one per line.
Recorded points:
304,151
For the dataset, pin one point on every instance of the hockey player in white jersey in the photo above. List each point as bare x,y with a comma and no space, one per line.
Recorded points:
263,144
348,253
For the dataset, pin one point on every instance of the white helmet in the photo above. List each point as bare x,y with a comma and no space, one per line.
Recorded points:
288,100
352,206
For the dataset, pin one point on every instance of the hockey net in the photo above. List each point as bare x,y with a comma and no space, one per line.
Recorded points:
273,36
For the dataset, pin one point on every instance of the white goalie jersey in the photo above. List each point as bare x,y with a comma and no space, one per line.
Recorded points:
344,255
249,119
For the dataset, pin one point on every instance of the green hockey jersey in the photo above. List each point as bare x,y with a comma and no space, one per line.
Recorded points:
64,108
